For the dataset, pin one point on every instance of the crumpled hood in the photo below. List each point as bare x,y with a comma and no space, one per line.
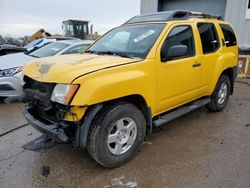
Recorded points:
65,68
13,60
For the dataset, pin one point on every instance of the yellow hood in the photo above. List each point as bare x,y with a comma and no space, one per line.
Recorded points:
65,68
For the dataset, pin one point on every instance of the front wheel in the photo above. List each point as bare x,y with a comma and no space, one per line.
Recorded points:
220,96
116,135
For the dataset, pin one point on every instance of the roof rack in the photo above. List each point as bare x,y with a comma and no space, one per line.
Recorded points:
202,15
171,15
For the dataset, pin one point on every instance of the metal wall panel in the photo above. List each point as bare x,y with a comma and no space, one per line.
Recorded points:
233,11
235,14
216,7
149,6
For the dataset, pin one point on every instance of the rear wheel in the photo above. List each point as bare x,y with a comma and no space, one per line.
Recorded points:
220,96
116,135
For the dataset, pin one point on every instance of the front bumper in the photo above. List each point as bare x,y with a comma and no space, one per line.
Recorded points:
53,131
10,87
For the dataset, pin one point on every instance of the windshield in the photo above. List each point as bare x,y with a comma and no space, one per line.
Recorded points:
128,41
49,50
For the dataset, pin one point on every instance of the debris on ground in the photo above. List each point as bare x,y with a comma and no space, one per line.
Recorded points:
29,134
247,125
118,182
149,143
40,144
45,171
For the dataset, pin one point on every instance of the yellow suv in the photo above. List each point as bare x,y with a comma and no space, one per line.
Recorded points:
138,76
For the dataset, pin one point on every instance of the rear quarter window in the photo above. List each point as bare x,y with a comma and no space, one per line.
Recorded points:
229,35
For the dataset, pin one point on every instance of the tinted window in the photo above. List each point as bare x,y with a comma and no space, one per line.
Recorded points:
229,35
181,35
209,37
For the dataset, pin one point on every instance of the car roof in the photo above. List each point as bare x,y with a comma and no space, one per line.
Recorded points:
75,42
61,38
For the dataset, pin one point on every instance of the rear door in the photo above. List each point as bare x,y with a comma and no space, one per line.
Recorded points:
211,47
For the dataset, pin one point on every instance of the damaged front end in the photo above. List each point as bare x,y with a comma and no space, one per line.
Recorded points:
58,121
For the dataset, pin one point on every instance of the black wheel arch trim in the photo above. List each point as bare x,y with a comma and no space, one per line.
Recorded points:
232,73
235,74
82,131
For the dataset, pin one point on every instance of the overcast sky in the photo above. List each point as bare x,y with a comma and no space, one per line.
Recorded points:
25,17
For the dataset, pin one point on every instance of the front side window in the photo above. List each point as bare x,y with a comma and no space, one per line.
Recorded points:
230,38
133,41
49,50
180,35
209,37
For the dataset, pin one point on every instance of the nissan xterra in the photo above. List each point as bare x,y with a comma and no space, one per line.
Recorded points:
140,75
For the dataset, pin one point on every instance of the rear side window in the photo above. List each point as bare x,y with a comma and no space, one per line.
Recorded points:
181,35
229,35
76,49
209,37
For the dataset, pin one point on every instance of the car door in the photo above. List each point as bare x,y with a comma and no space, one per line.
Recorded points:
178,78
211,52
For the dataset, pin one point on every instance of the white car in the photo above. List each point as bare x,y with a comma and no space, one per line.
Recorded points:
11,65
38,43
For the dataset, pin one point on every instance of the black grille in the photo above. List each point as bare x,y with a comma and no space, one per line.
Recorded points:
45,88
6,87
38,95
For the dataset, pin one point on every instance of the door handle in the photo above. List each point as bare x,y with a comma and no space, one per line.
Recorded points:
196,65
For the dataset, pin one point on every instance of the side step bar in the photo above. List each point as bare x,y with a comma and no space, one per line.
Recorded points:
180,111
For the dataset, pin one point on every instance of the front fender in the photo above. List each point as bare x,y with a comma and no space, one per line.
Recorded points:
114,83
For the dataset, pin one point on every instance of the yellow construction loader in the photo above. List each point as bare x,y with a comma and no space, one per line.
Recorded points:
78,29
71,28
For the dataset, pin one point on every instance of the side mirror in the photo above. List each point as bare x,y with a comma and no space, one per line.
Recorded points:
174,52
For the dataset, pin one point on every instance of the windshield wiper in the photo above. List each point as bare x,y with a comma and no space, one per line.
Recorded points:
121,54
91,52
105,52
100,52
124,55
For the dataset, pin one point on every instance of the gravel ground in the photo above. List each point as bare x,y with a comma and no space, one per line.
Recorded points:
200,149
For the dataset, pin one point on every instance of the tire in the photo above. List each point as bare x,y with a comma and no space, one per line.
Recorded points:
218,101
116,135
